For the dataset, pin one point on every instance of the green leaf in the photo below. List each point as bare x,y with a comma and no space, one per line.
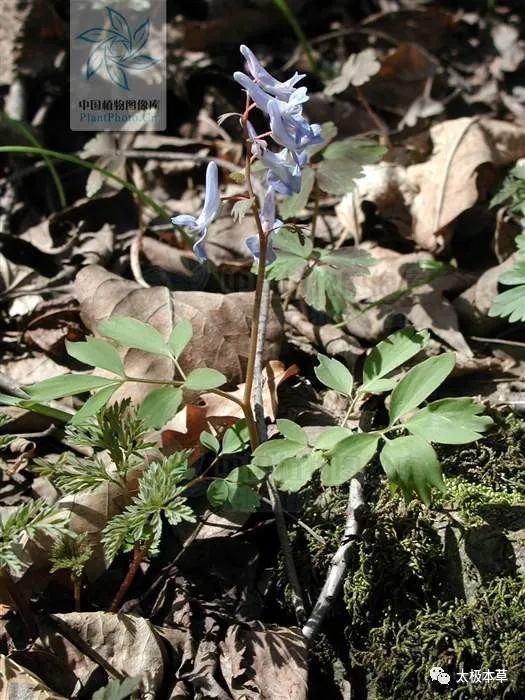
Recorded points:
351,259
271,453
510,304
338,176
210,442
293,473
327,290
292,431
334,375
159,406
291,206
358,150
66,385
412,465
244,499
237,489
203,379
331,436
236,438
450,421
134,334
516,275
94,404
388,355
419,383
348,457
117,689
180,336
218,493
287,241
97,353
286,266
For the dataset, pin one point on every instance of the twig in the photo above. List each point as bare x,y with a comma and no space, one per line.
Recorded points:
334,580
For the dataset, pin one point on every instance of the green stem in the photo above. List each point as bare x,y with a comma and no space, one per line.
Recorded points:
26,133
301,36
45,152
259,288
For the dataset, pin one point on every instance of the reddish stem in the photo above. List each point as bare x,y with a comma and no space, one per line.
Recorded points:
138,557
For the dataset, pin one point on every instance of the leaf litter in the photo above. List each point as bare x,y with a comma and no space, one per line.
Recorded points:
217,623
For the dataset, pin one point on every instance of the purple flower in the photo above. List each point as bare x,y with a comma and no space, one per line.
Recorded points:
289,128
284,173
254,91
266,81
212,202
259,145
269,224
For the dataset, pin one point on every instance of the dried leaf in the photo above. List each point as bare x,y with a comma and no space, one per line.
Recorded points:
127,644
224,318
264,663
17,683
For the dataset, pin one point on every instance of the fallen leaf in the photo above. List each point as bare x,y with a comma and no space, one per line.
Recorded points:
357,70
221,325
126,644
264,663
17,683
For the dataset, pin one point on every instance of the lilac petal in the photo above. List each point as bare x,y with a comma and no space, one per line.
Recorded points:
254,91
252,243
212,198
267,82
198,247
258,145
185,221
280,133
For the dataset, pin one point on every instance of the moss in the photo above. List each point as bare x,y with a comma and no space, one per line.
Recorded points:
497,460
486,634
400,613
473,502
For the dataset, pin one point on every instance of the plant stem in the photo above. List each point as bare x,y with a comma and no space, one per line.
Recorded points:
294,24
45,152
26,133
75,582
138,557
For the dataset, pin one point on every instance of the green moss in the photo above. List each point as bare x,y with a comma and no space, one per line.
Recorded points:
486,634
474,501
401,612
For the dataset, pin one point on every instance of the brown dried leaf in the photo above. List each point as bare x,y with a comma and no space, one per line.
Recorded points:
17,683
126,644
447,183
221,324
264,663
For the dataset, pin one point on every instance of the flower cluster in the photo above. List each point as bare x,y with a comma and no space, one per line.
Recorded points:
282,103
